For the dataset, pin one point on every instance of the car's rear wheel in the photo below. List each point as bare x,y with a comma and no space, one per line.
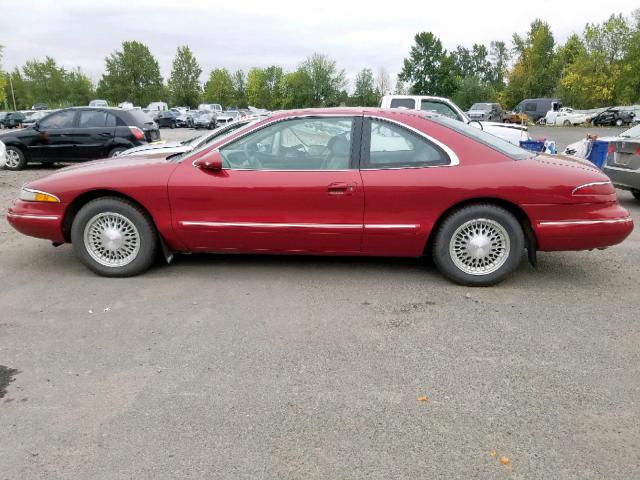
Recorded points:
478,245
114,237
566,123
15,159
115,152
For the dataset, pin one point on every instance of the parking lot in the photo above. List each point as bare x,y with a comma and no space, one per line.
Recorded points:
233,366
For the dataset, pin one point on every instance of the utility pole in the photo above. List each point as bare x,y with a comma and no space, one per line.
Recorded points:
13,95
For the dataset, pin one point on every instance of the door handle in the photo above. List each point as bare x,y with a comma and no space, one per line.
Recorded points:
341,188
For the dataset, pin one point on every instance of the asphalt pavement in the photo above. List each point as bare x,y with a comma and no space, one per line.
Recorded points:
261,367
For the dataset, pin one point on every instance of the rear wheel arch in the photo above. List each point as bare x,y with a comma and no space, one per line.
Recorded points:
514,209
81,200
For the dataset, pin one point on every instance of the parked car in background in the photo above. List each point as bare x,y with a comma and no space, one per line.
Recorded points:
509,116
40,106
537,108
32,117
205,120
166,119
78,134
157,106
296,183
126,105
3,155
511,133
210,107
613,116
189,144
566,117
185,119
485,111
98,103
227,117
12,120
622,165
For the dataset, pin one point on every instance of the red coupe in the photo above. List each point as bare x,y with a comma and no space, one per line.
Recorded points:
331,182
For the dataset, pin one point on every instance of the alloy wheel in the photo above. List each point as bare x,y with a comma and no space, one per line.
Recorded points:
111,239
480,246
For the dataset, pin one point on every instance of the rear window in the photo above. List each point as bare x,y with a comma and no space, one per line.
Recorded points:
491,141
140,117
409,103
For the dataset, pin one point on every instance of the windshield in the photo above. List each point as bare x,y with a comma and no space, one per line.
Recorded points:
633,132
491,141
481,106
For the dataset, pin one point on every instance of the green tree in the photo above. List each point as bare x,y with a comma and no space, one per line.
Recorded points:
184,82
472,90
365,94
266,88
297,89
532,75
429,68
499,56
46,81
219,87
327,82
3,80
239,89
79,88
132,74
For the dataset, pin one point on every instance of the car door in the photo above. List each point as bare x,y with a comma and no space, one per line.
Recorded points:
93,134
290,186
404,193
53,139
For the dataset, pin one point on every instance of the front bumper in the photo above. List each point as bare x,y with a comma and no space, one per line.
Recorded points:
586,227
37,219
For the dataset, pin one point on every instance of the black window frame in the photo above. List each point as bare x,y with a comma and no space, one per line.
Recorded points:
365,147
356,140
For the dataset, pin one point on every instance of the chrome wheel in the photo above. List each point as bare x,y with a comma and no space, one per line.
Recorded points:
111,239
13,159
480,246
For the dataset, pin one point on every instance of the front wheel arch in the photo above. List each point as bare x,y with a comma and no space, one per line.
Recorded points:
531,241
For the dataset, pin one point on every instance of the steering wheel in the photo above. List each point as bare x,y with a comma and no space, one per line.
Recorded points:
250,151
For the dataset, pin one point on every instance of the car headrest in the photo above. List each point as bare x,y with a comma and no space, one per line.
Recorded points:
339,145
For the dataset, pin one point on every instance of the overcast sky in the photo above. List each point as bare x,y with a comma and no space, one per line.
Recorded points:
245,33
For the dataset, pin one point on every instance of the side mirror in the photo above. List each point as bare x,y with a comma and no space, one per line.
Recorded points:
36,126
210,161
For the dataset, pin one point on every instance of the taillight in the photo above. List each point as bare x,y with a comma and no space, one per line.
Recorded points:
611,148
594,188
139,134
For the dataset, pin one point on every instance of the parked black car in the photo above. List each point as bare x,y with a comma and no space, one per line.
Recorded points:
166,119
205,120
78,134
12,120
613,116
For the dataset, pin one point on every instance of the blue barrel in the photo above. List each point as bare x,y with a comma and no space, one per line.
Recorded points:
533,145
598,154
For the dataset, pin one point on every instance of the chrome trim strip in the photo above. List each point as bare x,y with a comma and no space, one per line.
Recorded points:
374,226
34,217
587,222
346,226
40,191
589,185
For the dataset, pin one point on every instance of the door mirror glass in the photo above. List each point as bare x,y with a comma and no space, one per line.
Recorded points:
210,161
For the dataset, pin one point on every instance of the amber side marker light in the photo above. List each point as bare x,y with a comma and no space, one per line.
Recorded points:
29,195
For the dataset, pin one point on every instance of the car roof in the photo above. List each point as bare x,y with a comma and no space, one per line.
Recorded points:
353,111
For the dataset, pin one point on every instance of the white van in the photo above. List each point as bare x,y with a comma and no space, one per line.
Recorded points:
210,107
98,103
158,107
510,132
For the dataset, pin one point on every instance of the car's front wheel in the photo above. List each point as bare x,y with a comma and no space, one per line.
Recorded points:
114,237
15,158
478,245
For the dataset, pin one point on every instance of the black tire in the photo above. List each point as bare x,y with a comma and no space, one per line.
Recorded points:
487,212
147,236
567,123
114,152
172,125
636,194
18,161
619,122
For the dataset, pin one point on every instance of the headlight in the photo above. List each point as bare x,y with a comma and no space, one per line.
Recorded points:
29,195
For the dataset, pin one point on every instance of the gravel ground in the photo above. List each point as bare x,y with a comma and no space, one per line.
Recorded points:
263,367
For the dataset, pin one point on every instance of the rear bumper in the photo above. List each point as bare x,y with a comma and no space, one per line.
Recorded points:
40,220
623,177
589,226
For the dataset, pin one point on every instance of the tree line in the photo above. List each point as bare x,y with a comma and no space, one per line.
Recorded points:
598,67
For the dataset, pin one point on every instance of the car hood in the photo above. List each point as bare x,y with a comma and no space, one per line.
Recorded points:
477,112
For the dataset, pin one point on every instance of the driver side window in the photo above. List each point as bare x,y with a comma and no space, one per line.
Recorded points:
62,119
322,143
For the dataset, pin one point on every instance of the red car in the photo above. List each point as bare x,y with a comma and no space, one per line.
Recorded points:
331,182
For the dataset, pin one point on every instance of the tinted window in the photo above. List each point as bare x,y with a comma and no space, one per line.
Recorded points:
111,120
300,144
403,103
530,107
139,117
62,119
92,119
438,107
393,147
485,138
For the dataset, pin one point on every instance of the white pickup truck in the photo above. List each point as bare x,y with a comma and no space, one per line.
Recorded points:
512,133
